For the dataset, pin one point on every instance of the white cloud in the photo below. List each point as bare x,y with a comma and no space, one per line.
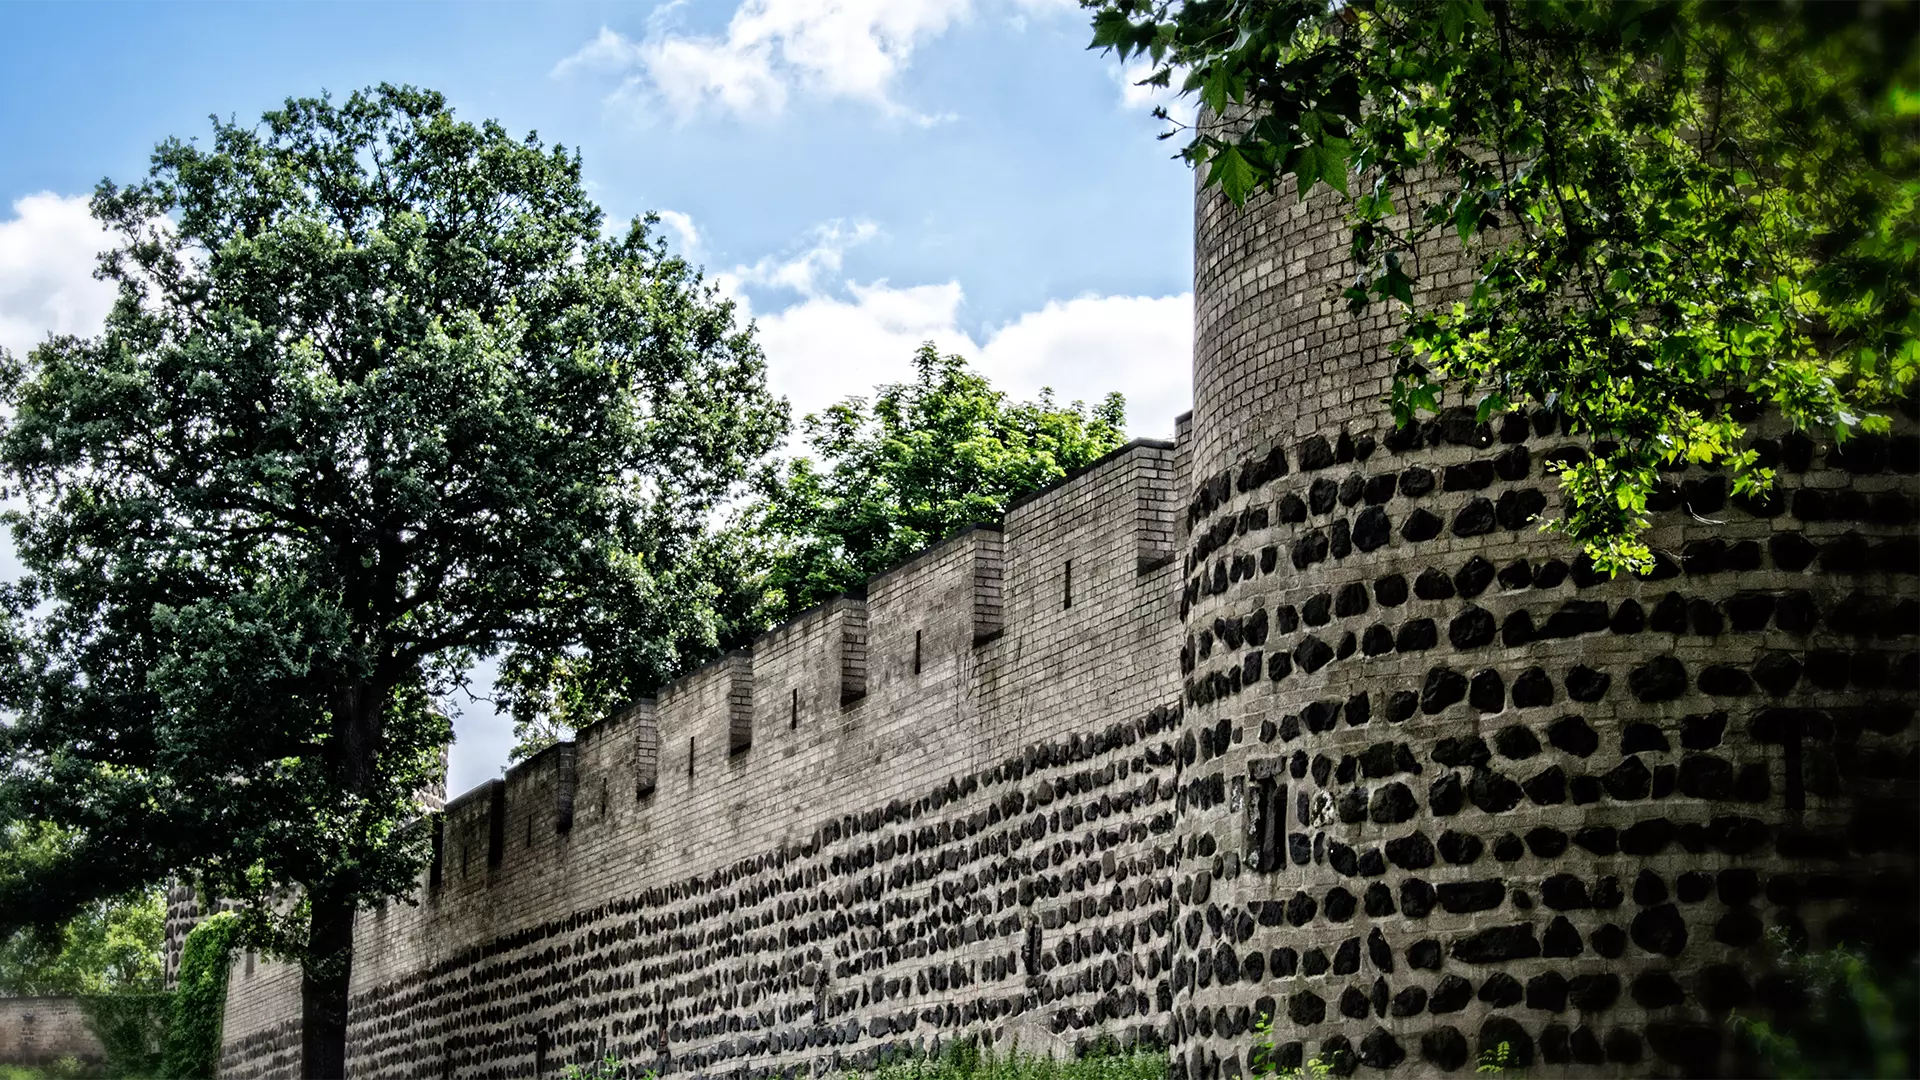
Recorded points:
48,251
839,342
802,273
681,225
852,49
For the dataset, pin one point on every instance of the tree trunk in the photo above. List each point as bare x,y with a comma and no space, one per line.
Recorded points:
324,982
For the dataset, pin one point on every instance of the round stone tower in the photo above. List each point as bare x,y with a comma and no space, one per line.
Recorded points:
1448,796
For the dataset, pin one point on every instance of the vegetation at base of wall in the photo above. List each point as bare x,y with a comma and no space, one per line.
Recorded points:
1672,214
132,1028
200,1000
1855,1016
66,1068
963,1060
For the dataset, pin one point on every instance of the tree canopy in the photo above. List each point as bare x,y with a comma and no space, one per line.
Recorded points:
920,461
1677,211
377,397
111,945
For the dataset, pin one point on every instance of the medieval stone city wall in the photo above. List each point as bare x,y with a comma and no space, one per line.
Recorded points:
1298,722
942,808
43,1030
1453,790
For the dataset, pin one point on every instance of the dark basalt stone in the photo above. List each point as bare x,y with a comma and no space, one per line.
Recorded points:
1321,494
1707,495
1379,1050
1827,668
1392,804
1576,617
1424,955
1561,940
1547,992
1411,852
1776,672
1640,738
1447,796
1546,842
1309,549
1476,518
1735,835
1487,692
1346,959
1513,427
1462,752
1378,901
1791,551
1704,556
1371,863
1586,684
1352,488
1391,591
1796,613
1564,892
1433,585
1669,616
1376,641
1599,839
1417,635
1649,837
1314,962
1312,654
1608,940
1660,929
1550,574
1421,525
1291,510
1508,848
1749,612
1702,731
1861,455
1469,476
1516,575
1343,860
1891,508
1497,945
1415,482
1556,1044
1628,781
1517,630
1737,886
1352,600
1459,848
1286,618
1693,886
1340,907
1513,463
1315,453
1573,735
1471,629
1474,577
1661,679
1317,611
1585,1048
1306,1007
1451,994
1738,928
1401,705
1705,618
1411,1001
1279,666
1501,990
1594,992
1416,898
1519,508
1379,488
1463,897
1705,776
1693,1047
1444,1048
1548,787
1372,529
1515,741
1444,688
1628,618
1283,962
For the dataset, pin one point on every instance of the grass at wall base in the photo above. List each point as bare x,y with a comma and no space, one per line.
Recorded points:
963,1060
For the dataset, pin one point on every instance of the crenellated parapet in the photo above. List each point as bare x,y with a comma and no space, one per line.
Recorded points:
903,813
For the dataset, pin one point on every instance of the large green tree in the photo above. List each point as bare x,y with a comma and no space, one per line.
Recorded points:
378,397
1678,211
919,461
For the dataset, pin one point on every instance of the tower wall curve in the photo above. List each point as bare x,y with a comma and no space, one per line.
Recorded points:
1443,789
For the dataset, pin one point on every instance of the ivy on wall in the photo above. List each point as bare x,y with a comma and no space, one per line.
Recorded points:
200,1001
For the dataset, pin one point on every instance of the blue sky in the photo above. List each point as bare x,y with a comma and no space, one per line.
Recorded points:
861,174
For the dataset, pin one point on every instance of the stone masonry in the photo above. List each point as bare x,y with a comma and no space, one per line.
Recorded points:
1297,721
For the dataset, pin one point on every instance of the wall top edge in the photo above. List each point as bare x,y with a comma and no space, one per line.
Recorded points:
608,725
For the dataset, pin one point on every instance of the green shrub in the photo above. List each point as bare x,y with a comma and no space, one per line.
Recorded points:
132,1028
